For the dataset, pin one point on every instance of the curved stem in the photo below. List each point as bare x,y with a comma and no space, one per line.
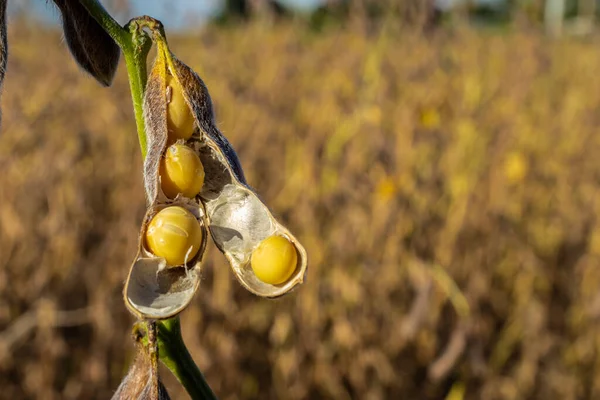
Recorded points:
109,24
176,357
173,353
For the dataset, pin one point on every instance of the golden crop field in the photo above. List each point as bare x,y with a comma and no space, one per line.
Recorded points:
446,188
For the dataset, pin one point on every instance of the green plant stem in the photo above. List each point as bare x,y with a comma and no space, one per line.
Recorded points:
175,356
135,44
109,24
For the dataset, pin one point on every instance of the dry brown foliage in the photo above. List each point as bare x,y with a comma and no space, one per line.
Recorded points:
445,187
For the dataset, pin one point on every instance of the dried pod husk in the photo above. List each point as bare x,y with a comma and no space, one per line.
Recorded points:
155,116
153,289
93,48
139,382
238,219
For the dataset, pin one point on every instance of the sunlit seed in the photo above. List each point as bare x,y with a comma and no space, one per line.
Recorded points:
274,260
181,171
174,234
180,121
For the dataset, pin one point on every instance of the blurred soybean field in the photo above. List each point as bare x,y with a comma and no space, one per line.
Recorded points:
445,184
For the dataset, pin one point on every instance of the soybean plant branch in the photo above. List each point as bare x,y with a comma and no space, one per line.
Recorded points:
135,44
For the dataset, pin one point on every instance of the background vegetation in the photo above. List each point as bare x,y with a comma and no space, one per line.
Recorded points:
444,184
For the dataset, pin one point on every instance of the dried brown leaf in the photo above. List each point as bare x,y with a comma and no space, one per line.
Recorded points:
93,48
140,381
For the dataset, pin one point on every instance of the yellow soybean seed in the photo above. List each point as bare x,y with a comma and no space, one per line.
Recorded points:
181,171
180,121
174,234
274,260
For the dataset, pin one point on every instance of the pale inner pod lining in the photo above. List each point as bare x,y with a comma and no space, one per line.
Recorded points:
238,219
160,295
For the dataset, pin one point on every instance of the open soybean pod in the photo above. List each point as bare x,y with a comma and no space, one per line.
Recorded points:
239,222
163,279
265,257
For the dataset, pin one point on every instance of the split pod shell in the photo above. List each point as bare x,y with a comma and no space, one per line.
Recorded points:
235,216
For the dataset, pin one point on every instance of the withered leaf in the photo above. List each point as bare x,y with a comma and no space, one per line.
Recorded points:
93,49
140,381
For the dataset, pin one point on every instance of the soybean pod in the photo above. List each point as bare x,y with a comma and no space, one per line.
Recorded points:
195,183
